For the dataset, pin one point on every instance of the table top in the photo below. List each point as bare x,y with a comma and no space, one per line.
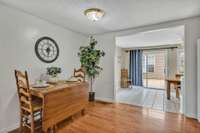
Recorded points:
179,74
60,85
173,80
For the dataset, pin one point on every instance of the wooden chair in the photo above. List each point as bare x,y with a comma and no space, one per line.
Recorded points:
178,86
125,81
30,108
79,74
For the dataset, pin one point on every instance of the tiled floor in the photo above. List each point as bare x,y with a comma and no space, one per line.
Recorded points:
151,98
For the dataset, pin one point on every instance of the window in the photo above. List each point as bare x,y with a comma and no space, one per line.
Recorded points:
149,63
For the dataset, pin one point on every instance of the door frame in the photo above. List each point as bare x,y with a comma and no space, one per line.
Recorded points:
182,24
198,79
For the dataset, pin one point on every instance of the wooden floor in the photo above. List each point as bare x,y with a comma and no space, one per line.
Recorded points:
121,118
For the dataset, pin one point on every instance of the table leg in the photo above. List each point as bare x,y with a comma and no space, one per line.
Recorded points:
168,90
177,91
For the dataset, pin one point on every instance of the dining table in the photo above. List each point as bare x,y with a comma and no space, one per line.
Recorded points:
60,101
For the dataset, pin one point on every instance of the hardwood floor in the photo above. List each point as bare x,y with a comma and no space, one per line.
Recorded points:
120,118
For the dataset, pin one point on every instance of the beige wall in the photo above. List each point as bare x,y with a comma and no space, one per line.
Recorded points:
171,63
159,64
125,59
180,60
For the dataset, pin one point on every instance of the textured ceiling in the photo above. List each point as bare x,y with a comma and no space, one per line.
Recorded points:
120,14
160,37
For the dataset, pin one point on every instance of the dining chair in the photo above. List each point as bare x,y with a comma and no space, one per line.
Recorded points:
178,86
79,74
30,107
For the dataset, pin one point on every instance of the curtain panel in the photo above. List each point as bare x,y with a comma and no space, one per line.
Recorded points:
135,67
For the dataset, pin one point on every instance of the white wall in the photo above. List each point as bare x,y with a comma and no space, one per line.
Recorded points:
18,34
105,84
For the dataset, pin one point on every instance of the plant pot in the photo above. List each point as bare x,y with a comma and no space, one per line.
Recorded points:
91,96
53,79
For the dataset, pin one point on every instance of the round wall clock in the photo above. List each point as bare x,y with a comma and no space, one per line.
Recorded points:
46,49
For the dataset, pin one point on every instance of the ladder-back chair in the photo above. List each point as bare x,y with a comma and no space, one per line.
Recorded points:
30,108
79,74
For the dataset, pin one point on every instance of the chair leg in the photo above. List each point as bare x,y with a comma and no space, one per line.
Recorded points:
32,124
21,121
168,90
177,92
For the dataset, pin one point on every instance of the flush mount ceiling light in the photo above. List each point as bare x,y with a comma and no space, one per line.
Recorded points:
94,14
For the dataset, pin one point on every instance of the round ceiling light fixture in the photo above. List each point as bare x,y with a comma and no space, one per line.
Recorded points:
94,14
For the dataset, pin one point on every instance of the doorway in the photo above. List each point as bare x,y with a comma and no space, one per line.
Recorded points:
162,59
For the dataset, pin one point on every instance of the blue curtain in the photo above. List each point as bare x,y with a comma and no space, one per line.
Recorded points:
135,67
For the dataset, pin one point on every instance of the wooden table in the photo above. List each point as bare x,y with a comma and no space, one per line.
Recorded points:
61,101
179,75
176,82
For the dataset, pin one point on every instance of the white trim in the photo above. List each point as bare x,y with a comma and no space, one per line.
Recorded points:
156,27
191,115
198,80
183,96
10,128
105,99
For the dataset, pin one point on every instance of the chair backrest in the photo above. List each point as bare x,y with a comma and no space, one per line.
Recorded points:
124,78
178,76
79,74
23,89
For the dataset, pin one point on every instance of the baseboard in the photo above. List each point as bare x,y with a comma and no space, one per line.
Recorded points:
10,128
191,115
198,117
110,100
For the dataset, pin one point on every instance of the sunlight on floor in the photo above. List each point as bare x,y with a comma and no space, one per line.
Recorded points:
154,83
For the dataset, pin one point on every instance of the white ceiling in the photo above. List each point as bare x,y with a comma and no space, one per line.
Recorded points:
120,14
160,37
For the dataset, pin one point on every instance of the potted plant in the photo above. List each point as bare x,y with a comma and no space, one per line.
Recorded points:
90,59
53,73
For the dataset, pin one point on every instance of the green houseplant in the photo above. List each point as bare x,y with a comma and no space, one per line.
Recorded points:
90,59
53,73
